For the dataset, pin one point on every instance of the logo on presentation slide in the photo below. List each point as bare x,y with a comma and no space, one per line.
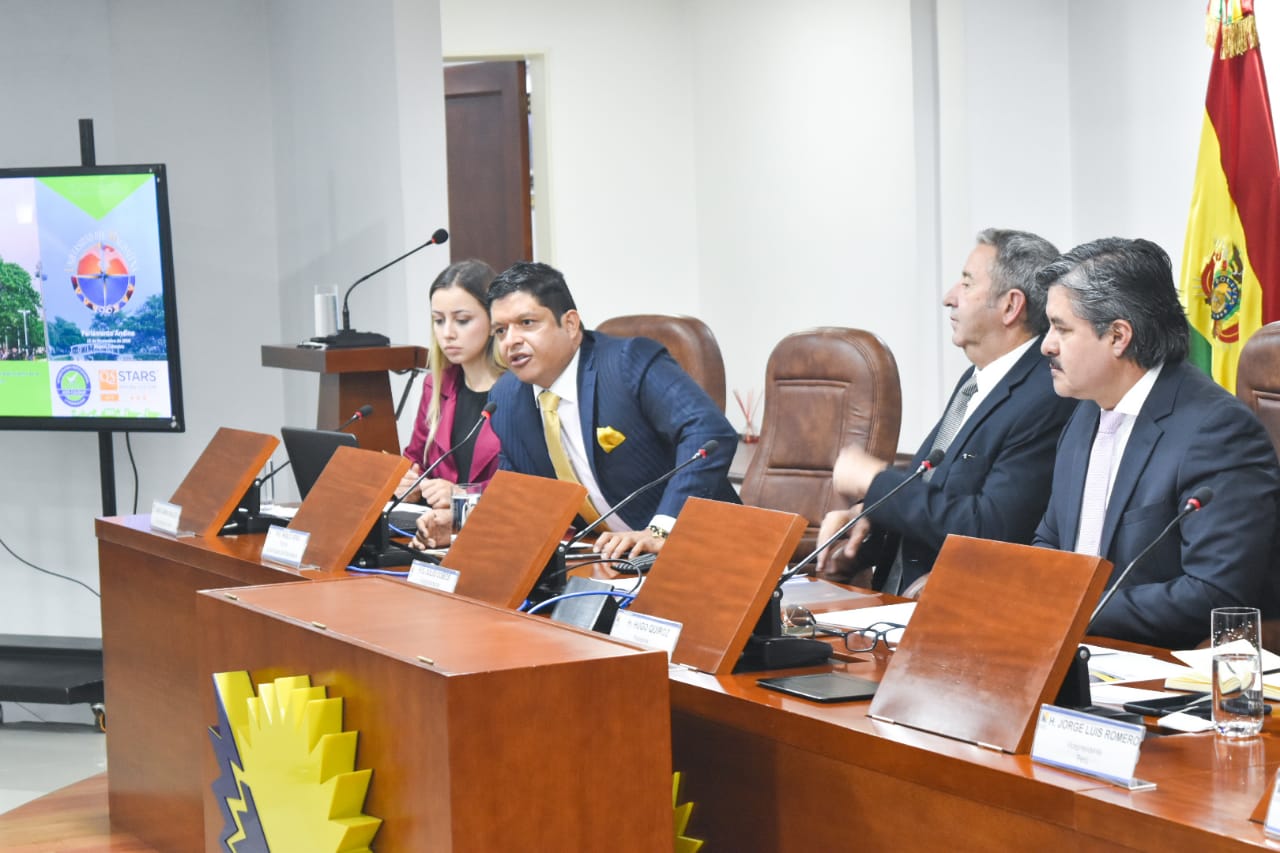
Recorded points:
102,279
72,385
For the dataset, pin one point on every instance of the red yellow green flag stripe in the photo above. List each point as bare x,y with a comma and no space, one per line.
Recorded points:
1231,259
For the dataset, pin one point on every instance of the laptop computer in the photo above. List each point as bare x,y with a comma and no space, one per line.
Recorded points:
309,451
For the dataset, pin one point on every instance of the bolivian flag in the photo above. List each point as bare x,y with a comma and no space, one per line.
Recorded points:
1231,260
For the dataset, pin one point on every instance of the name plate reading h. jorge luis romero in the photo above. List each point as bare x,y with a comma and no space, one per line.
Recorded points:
1095,746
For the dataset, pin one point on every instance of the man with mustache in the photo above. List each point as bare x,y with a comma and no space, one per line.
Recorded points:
998,432
1151,430
626,412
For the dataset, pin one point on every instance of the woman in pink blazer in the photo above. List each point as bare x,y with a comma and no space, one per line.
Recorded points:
463,367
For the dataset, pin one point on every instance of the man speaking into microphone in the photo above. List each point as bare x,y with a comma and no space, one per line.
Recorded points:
610,413
1150,431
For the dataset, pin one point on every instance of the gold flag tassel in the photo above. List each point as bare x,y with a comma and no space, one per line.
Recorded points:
1238,26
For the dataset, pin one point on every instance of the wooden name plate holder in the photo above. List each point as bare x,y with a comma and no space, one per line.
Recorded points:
343,505
990,640
225,470
715,575
510,536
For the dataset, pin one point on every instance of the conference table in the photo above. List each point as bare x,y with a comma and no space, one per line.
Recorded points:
765,771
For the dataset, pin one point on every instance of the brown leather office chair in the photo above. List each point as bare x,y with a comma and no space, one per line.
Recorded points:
1258,378
825,389
1258,387
688,339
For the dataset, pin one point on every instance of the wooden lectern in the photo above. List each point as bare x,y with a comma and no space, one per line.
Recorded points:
485,729
349,379
225,470
990,640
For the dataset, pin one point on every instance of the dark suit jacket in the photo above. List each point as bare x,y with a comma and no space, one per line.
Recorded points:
1189,433
636,387
991,484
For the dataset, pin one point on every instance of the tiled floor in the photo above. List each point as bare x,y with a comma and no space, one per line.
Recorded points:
38,757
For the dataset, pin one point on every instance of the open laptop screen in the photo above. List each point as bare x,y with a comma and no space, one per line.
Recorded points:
309,451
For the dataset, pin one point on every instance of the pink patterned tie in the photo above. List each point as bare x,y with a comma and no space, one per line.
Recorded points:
1097,484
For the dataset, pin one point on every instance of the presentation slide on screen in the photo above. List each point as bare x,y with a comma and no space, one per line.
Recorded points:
82,325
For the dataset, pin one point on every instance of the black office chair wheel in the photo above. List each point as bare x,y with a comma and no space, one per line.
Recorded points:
99,716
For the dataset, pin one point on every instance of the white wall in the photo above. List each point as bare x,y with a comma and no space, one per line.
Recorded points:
305,145
766,166
619,184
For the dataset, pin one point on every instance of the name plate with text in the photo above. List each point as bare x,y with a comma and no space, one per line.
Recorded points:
165,517
648,631
433,577
1095,746
285,546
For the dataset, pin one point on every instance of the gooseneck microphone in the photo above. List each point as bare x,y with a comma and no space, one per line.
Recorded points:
248,517
485,414
360,414
1199,500
379,549
701,453
556,569
933,461
346,337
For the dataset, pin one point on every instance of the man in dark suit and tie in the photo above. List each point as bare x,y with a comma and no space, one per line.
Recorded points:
1151,430
998,432
610,413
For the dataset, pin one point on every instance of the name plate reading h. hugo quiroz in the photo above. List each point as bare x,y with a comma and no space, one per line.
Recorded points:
285,546
648,631
1095,746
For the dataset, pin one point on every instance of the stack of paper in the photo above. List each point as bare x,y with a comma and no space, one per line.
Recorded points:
1197,676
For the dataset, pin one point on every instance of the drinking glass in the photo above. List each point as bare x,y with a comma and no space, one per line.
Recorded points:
1235,634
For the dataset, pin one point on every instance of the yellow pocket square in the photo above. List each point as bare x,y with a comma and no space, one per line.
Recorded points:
609,438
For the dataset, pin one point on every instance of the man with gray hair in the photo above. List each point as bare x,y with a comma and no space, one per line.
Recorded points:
998,431
1152,430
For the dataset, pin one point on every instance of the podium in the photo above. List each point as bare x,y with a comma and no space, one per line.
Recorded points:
350,378
484,729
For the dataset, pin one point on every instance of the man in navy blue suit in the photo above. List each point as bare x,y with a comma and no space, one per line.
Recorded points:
626,412
1151,430
998,432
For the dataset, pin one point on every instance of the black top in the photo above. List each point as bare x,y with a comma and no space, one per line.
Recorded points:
467,412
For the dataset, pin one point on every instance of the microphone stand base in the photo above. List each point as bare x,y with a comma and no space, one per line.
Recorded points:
388,559
349,338
765,653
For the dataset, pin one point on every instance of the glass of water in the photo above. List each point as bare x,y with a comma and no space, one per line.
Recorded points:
1235,633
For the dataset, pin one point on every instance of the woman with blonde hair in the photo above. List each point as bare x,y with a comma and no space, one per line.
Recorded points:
463,367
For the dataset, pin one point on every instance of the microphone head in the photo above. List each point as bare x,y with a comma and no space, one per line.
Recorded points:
364,411
935,458
440,236
710,447
1200,498
489,408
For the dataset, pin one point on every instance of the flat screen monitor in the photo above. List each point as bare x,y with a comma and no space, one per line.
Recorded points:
88,318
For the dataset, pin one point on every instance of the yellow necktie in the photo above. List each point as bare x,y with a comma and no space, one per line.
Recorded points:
550,405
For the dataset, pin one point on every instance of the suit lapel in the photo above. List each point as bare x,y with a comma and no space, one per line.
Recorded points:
587,399
1015,376
1143,438
1077,468
927,444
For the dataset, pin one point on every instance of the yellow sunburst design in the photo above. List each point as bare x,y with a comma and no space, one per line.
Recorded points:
298,765
682,815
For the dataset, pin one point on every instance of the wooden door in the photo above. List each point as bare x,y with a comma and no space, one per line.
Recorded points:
487,125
